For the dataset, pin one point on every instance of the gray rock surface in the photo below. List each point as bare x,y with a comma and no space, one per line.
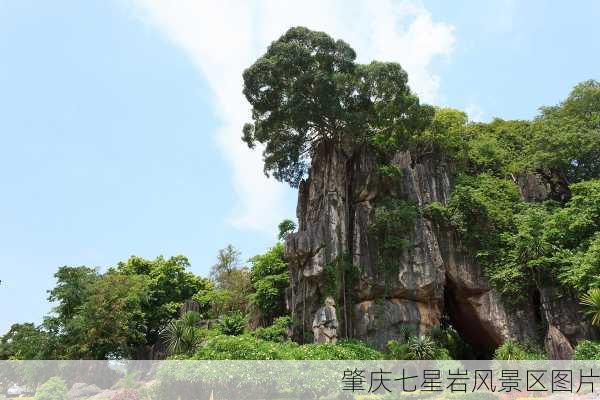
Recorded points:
436,274
83,390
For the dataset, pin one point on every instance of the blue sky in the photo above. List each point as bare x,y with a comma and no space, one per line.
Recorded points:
120,119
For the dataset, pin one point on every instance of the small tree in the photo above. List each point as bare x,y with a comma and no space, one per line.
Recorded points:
592,300
232,324
182,336
54,389
285,227
307,90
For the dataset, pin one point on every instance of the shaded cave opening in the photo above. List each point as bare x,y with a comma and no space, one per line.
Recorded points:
480,340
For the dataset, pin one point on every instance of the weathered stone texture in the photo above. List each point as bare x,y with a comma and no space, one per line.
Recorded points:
437,275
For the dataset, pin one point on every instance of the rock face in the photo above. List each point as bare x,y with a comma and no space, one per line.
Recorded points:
437,278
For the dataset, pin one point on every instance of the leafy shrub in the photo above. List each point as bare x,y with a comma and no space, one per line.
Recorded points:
232,324
511,350
450,341
591,300
436,212
249,347
278,332
397,350
182,336
269,278
286,227
421,348
54,389
418,348
587,350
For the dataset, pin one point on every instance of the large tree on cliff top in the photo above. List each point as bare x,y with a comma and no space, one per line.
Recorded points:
307,89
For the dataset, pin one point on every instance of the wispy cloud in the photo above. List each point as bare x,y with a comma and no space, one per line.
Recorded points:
475,113
223,38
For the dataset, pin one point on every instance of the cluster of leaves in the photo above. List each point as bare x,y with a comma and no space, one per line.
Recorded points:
392,225
53,389
230,286
114,314
269,279
513,351
521,244
233,324
439,344
120,313
182,336
587,350
307,90
250,347
278,332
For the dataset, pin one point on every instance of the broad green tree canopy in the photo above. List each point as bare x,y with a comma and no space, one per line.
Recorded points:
307,89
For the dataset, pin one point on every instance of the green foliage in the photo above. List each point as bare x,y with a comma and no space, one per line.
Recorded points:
592,301
392,224
215,302
167,284
111,322
587,350
182,336
232,284
444,137
582,271
418,347
248,347
398,350
111,315
482,207
513,351
307,90
26,342
450,344
278,332
232,324
497,148
285,227
566,143
510,350
437,213
269,278
71,290
53,389
421,348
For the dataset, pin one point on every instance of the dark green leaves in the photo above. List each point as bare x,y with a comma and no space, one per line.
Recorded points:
307,89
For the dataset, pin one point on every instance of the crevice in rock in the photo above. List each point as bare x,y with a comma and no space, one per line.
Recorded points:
464,318
349,243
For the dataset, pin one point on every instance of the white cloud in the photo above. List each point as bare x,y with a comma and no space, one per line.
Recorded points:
475,113
224,38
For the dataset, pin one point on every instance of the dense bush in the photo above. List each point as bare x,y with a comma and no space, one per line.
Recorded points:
249,347
278,332
513,351
587,350
54,389
232,324
441,343
269,279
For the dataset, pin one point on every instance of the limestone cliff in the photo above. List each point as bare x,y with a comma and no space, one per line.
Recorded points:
437,278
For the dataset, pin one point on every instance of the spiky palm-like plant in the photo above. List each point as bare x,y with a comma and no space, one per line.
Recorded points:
182,336
421,348
592,300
